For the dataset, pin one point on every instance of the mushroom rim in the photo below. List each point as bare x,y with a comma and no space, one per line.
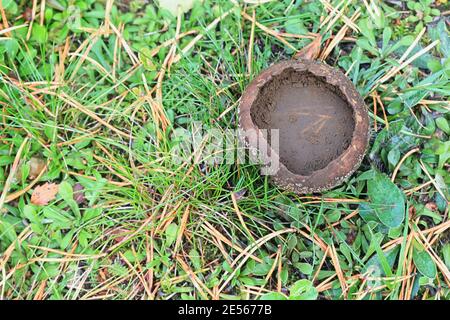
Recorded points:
339,168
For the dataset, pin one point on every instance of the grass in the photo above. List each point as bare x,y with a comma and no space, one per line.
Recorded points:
92,94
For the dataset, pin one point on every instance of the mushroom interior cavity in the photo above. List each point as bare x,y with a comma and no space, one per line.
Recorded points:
314,120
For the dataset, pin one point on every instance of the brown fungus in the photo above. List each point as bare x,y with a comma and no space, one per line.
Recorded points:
322,121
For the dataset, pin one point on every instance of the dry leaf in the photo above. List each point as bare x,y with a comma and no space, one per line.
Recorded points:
119,235
78,193
431,206
240,194
45,193
311,51
36,166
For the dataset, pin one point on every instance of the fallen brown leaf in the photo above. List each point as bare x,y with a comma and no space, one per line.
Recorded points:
78,193
240,194
36,166
431,206
44,193
311,51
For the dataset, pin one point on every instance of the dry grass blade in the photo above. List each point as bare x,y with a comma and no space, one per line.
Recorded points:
332,13
183,223
399,164
42,13
7,253
19,193
7,31
250,249
109,4
199,285
12,172
4,24
372,9
268,30
396,69
276,262
191,44
337,266
412,46
251,43
339,36
125,45
33,16
220,237
438,188
378,98
339,14
140,277
72,102
239,214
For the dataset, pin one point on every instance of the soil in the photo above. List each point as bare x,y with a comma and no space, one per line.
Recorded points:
315,121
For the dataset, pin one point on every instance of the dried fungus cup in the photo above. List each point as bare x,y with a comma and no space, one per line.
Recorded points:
309,119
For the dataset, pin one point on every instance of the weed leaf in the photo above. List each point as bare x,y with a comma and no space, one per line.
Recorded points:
171,233
303,290
387,200
273,296
424,263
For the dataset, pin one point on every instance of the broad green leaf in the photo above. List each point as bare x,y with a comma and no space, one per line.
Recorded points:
66,192
387,34
442,124
171,233
424,263
446,254
365,44
65,241
394,156
284,276
194,256
303,290
30,213
7,231
6,160
56,217
295,25
55,4
367,30
310,294
146,59
91,213
387,200
10,6
304,268
273,296
39,33
261,269
291,242
11,47
434,65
